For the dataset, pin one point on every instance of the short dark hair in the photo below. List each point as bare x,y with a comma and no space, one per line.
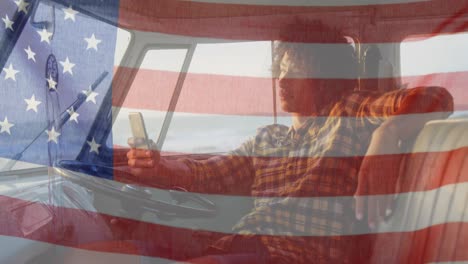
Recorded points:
325,59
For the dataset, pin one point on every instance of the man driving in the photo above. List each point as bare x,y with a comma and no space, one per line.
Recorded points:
310,181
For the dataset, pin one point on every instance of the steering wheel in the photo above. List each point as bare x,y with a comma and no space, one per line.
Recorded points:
135,196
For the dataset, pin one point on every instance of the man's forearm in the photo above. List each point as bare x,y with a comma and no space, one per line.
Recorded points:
175,171
418,107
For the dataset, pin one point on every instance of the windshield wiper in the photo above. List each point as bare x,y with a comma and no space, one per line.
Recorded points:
63,118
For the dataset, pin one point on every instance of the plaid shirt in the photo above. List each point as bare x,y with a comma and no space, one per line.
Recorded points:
320,159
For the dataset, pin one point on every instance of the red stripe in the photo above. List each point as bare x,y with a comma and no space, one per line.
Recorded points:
80,229
241,95
382,23
428,171
454,82
202,93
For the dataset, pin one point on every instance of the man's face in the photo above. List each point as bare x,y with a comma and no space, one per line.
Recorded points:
298,91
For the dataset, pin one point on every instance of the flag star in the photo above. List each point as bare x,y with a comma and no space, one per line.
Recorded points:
67,66
45,35
31,54
8,22
53,135
22,6
32,103
92,42
93,146
73,115
10,72
70,13
51,83
5,126
90,95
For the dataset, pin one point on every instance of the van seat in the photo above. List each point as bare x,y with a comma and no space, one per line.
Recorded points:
435,176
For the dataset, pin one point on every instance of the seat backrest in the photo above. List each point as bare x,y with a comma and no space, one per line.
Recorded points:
430,221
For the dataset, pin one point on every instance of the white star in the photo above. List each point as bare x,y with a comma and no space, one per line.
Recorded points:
5,126
53,135
94,147
52,84
92,42
70,13
67,66
10,73
73,115
32,103
90,95
8,22
22,6
31,54
45,35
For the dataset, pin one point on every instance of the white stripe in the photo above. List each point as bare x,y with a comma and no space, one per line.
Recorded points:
17,250
440,54
418,210
211,133
308,2
415,210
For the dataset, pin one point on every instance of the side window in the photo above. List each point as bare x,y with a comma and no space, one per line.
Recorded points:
440,61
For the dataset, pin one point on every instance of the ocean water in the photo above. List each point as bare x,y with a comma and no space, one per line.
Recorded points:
196,133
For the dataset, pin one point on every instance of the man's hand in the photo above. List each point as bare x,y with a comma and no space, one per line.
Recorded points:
377,179
143,163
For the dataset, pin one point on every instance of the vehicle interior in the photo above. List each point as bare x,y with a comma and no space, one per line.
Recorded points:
184,65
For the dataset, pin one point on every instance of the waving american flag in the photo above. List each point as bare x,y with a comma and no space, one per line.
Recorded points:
78,67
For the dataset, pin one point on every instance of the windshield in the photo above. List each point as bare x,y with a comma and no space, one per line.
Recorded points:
227,94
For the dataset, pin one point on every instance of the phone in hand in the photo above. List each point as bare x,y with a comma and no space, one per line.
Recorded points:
139,130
